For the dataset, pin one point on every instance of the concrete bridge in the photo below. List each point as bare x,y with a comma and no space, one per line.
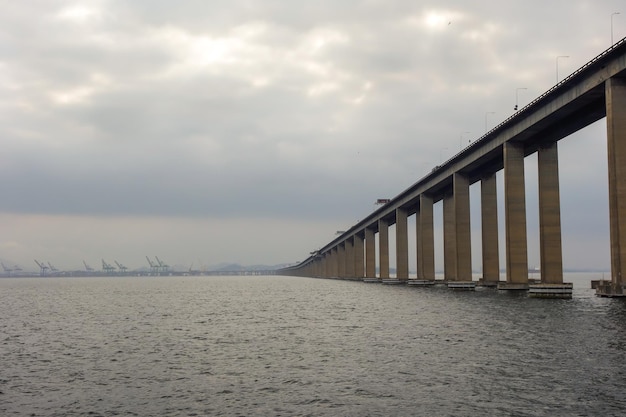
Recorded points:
596,90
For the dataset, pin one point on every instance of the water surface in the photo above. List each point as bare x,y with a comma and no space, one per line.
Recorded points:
282,346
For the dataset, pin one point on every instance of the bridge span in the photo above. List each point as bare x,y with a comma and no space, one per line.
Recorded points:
594,91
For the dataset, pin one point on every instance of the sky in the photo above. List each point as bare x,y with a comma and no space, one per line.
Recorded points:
246,131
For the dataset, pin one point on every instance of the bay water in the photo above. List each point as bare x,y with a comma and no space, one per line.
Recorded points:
285,346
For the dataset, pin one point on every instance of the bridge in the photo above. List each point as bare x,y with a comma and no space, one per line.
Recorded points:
594,91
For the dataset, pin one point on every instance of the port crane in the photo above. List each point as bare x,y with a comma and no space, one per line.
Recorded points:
107,268
42,268
162,267
52,268
154,268
7,270
121,267
87,267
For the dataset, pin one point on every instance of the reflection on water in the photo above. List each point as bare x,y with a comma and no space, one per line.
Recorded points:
296,346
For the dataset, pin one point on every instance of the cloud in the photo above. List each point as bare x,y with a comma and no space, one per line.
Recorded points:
281,110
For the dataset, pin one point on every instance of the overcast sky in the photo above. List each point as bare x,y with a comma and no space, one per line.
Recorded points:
250,131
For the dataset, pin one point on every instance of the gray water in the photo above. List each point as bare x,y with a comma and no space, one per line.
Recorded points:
281,346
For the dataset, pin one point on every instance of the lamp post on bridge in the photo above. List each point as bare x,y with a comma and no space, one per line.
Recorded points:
557,66
441,154
486,114
461,140
612,14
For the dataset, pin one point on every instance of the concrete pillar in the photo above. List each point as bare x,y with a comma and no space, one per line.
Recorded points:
425,239
515,214
341,260
383,248
326,265
370,253
349,258
329,264
449,241
335,262
616,135
550,215
462,234
402,245
418,243
359,265
489,220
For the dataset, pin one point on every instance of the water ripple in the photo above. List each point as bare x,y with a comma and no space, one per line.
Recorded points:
259,346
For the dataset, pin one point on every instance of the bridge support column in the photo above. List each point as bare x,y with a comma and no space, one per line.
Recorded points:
383,248
402,245
425,240
334,262
449,240
489,220
515,218
616,136
550,215
341,260
418,243
329,263
325,263
370,253
349,258
462,233
359,267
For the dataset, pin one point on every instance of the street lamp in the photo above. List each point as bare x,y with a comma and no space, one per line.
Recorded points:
557,66
441,154
486,114
612,14
461,140
517,91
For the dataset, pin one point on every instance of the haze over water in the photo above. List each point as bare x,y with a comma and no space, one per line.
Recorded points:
270,346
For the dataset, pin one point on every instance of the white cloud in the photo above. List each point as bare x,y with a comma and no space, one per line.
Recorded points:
215,110
78,13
